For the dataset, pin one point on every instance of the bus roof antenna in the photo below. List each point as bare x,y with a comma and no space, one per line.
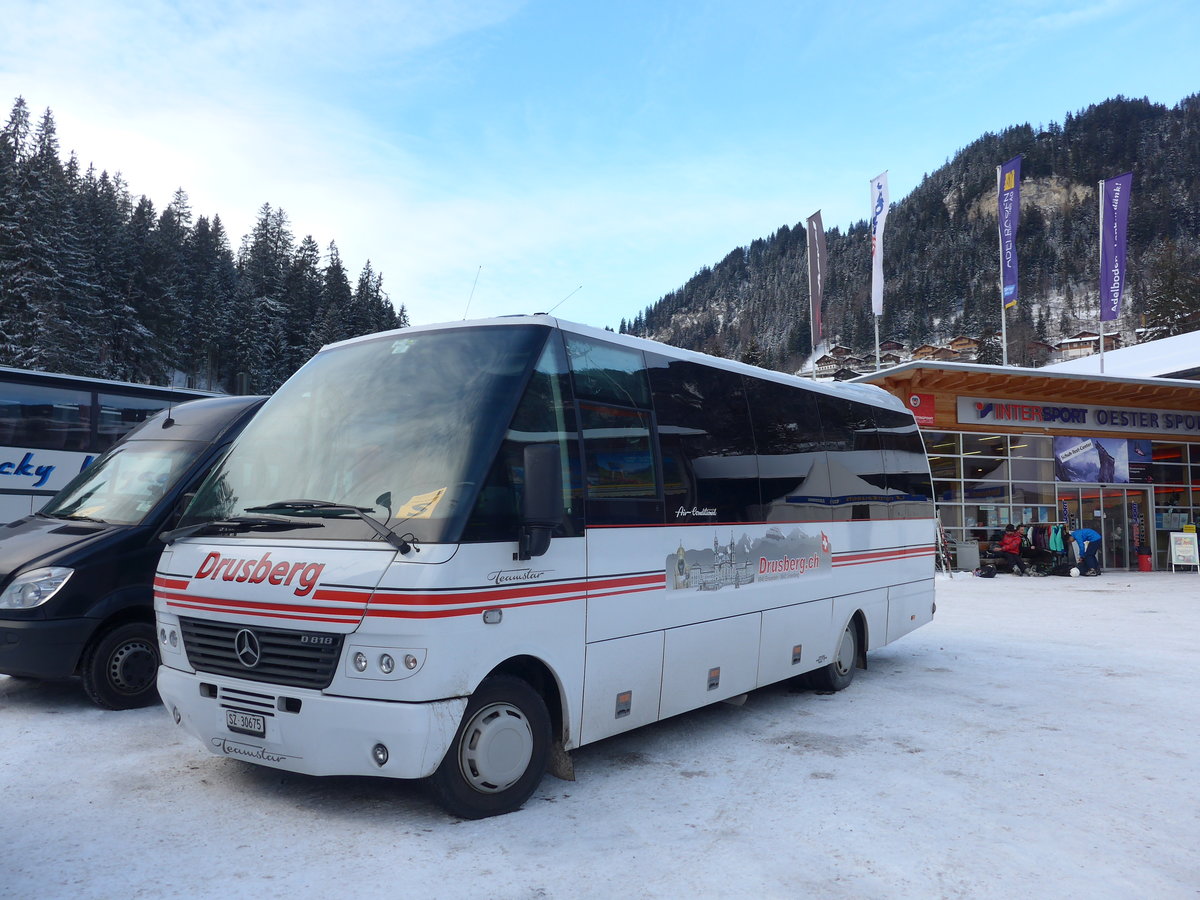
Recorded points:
564,300
472,297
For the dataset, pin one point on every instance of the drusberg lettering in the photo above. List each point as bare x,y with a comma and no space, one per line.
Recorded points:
256,571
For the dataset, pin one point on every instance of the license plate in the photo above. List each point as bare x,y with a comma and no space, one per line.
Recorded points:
245,723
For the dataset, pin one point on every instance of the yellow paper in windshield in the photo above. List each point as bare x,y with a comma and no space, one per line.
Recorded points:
421,506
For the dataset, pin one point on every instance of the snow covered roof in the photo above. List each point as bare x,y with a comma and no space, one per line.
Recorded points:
1173,357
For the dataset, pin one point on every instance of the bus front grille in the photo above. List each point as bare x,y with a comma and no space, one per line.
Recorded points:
274,655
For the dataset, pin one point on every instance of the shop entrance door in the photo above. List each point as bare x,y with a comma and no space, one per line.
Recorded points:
1123,525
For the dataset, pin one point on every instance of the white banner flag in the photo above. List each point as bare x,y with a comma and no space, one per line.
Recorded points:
879,211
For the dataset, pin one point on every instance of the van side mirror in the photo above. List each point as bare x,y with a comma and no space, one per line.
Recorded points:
542,503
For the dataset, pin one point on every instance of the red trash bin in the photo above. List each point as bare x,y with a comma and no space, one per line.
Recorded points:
1144,563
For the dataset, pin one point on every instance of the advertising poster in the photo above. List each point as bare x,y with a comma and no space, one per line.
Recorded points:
1103,460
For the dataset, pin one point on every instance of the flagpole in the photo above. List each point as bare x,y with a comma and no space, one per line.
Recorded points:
812,330
1100,265
876,343
1000,238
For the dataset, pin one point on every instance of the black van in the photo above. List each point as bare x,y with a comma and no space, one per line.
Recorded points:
76,577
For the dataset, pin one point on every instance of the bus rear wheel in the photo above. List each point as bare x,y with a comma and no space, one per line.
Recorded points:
120,667
499,752
839,673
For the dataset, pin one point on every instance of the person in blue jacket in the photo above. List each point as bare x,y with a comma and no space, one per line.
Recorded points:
1088,542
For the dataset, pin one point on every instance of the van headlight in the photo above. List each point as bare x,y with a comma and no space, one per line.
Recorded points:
33,588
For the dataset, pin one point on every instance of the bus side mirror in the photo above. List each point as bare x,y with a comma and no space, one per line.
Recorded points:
542,503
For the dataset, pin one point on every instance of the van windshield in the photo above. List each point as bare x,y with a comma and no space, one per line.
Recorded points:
125,484
401,428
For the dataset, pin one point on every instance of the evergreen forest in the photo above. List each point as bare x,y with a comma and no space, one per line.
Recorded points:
94,282
941,248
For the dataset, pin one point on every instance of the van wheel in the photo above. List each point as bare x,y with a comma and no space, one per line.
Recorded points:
499,752
120,667
839,673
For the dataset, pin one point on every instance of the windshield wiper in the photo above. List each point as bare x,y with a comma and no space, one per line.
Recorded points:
234,524
71,517
329,508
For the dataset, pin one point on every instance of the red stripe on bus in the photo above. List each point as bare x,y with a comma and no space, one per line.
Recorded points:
256,605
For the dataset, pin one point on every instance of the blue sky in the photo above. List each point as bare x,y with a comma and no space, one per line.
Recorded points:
544,146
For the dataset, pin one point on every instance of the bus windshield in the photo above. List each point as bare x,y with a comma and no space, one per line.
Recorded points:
401,428
124,485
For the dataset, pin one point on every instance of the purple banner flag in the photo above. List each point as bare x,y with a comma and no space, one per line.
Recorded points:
1114,217
879,211
816,273
1009,199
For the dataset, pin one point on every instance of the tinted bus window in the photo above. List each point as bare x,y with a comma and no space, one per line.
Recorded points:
857,483
45,418
118,415
707,443
608,373
620,470
905,465
544,415
791,459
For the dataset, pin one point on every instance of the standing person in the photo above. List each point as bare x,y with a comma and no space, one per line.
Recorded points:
1088,542
1010,549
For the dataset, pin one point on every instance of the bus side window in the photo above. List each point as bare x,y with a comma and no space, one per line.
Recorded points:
544,415
905,465
620,470
857,483
791,458
48,418
709,468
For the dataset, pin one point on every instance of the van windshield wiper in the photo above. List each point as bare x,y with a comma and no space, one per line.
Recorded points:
235,523
329,508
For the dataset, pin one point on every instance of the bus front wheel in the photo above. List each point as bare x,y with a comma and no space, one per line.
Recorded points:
499,752
839,673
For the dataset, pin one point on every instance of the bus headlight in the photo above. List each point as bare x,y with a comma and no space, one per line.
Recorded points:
382,663
35,587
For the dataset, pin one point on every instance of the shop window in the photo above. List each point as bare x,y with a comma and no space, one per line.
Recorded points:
1029,446
1026,494
947,491
941,443
984,445
1032,469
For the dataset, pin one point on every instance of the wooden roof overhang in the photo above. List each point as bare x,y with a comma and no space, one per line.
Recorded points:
947,380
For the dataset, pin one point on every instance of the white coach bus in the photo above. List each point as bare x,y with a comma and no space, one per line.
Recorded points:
53,426
454,552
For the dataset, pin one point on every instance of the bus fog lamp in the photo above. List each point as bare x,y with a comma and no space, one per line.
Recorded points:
410,661
360,661
379,754
387,665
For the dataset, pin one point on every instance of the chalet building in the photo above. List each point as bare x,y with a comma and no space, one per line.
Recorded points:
965,346
891,346
1085,343
1041,353
925,351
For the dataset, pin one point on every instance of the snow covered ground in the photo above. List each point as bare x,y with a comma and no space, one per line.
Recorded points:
1040,738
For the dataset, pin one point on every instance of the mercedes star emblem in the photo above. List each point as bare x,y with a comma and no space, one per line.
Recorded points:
246,646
